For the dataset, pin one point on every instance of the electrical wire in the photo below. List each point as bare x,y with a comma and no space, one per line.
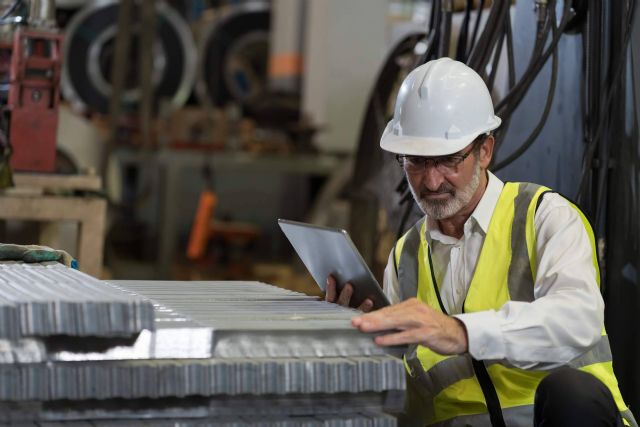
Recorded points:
481,53
433,35
445,41
545,114
461,50
542,33
608,92
512,100
494,65
476,27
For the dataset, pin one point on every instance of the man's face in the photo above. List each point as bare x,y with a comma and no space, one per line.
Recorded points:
442,190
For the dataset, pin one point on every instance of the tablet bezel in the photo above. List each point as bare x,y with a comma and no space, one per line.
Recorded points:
313,244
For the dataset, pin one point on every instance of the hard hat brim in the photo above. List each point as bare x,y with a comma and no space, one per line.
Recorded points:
430,147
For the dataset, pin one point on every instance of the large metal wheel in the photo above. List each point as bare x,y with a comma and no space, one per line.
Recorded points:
234,55
89,54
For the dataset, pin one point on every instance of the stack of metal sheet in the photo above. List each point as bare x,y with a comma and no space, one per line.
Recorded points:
217,353
50,299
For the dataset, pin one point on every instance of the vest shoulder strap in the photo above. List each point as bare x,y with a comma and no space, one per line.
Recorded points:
406,258
521,269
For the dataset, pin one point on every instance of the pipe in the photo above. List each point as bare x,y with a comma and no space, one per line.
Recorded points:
42,14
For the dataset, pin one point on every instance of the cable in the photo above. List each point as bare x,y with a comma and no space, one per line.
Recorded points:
445,42
545,114
523,84
496,59
433,37
616,74
476,27
461,50
510,102
542,34
482,51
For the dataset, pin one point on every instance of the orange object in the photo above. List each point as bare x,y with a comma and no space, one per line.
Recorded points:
206,227
285,65
200,230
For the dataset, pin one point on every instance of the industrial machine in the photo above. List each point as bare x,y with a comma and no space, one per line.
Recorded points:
30,67
234,55
91,49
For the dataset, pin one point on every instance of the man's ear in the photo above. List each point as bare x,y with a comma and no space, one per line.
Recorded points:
486,151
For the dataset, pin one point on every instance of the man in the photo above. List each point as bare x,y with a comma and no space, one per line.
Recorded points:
497,286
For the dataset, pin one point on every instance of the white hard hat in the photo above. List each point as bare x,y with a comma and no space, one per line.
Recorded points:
442,106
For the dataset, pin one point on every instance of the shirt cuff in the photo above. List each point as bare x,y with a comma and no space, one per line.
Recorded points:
484,333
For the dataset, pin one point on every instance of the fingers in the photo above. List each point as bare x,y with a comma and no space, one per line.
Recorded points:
330,295
408,314
380,322
330,290
344,299
366,306
345,296
399,338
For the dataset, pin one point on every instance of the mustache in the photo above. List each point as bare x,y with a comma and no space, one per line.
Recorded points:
443,189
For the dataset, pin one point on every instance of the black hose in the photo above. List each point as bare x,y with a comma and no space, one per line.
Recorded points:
445,42
543,119
476,27
482,45
496,59
492,31
511,101
616,15
433,37
461,50
536,54
616,74
502,131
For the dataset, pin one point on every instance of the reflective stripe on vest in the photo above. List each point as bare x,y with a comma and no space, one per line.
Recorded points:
504,272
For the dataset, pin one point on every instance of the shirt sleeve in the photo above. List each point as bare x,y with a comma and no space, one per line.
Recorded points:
390,284
567,316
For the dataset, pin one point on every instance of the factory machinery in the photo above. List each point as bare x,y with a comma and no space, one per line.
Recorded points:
82,352
30,68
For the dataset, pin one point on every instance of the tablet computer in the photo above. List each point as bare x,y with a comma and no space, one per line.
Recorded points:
329,251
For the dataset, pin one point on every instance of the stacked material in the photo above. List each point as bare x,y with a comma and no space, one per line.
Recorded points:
50,299
212,354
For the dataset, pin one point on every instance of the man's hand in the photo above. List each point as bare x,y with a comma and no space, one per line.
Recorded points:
344,298
415,323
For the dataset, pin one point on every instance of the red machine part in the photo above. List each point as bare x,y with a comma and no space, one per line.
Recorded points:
34,96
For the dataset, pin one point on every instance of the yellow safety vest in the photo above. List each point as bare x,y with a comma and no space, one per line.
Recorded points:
443,390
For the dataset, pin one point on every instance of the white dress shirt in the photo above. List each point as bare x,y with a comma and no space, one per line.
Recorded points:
567,316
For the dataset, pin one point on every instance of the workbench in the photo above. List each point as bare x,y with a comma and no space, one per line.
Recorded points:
170,163
52,198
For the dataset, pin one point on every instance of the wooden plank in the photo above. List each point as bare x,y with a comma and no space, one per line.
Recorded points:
91,238
58,182
90,212
47,208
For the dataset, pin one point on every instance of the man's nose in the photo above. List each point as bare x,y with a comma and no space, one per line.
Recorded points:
432,178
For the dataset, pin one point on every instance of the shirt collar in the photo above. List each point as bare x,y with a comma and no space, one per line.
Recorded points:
481,215
484,211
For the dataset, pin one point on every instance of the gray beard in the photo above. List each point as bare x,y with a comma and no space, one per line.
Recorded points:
441,209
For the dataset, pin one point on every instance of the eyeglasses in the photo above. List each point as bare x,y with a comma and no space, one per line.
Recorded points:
444,164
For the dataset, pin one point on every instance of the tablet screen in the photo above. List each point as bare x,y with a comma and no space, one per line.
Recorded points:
329,251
